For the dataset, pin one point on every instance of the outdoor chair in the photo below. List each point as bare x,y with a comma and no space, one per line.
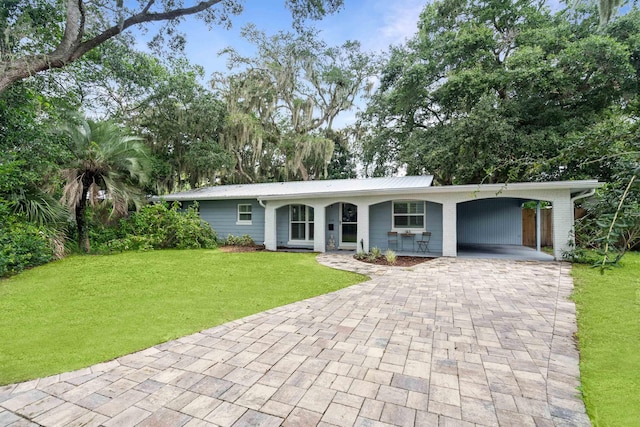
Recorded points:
423,243
392,239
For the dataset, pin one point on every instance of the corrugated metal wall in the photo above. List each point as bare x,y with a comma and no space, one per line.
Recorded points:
490,221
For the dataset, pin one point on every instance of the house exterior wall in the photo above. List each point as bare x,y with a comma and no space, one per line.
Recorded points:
271,226
380,223
222,215
490,221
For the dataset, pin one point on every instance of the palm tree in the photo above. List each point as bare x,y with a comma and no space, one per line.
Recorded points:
107,165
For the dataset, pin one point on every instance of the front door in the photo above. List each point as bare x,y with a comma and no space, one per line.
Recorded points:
348,226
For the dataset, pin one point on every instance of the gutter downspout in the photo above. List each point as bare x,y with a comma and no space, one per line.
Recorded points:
264,206
584,194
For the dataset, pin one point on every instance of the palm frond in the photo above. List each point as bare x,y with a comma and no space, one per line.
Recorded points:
38,207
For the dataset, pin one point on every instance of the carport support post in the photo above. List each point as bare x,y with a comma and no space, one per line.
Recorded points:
562,225
449,229
538,226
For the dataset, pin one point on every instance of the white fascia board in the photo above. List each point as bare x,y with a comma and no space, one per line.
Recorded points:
573,186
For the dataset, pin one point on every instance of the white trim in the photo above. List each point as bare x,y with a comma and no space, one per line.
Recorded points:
238,213
413,230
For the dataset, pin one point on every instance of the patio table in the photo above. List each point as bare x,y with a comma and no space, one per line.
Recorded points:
411,236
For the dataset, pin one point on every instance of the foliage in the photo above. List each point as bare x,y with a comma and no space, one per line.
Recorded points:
22,245
282,103
390,256
608,329
85,310
181,121
244,240
33,40
610,152
489,91
343,161
29,153
160,226
107,164
361,255
375,252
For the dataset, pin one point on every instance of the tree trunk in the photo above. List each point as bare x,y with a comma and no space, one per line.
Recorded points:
81,220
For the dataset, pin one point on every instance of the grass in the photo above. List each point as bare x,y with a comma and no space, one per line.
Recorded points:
88,309
609,334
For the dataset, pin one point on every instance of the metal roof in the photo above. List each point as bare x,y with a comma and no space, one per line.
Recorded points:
305,188
366,186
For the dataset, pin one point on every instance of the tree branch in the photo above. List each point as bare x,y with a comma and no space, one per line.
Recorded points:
71,47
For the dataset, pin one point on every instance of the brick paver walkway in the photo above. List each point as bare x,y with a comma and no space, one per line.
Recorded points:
449,342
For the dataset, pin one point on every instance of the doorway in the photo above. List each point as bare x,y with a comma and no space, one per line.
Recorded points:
348,226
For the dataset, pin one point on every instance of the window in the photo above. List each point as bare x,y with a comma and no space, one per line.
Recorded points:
301,218
408,215
244,214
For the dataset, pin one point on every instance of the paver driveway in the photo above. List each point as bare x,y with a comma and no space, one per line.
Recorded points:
448,342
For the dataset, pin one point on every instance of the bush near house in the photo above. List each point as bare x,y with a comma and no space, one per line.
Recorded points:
158,226
244,240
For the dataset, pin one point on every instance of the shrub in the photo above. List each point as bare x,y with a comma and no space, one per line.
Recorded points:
375,253
23,245
361,256
161,226
391,257
244,240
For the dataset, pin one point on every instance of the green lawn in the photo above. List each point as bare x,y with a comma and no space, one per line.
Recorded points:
87,309
609,334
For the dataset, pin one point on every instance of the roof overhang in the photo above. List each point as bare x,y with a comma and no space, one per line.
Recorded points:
576,188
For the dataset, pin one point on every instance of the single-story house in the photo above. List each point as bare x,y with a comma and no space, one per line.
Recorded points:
392,212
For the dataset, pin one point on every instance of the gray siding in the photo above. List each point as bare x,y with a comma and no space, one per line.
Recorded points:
380,224
332,213
282,225
490,221
223,214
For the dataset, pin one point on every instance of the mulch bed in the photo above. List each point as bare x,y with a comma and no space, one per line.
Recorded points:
232,248
401,261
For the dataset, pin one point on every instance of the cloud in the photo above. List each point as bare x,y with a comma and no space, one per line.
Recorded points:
399,23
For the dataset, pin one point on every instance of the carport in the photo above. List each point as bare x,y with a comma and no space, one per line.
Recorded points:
493,228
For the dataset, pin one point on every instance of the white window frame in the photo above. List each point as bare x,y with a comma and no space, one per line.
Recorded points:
307,224
238,213
403,229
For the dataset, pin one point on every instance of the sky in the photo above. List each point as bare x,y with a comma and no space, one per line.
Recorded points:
375,23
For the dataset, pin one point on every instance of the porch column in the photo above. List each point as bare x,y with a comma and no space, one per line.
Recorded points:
449,229
319,223
363,228
562,225
270,231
